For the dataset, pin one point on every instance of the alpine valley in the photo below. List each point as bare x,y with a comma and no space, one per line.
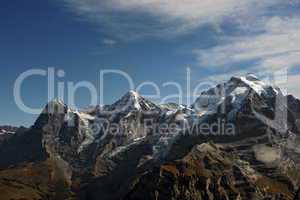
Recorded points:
70,155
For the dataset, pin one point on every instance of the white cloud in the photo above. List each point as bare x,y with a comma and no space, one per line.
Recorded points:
109,42
189,10
172,16
278,46
272,43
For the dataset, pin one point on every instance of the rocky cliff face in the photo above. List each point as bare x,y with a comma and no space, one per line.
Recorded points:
118,152
211,171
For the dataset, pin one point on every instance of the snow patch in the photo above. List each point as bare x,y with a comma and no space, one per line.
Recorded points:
84,128
239,91
238,94
85,116
2,132
134,97
123,148
139,139
257,85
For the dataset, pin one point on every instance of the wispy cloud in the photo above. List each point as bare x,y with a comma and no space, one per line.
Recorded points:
277,46
264,40
273,45
134,18
109,42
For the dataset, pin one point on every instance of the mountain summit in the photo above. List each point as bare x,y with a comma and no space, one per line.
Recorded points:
132,101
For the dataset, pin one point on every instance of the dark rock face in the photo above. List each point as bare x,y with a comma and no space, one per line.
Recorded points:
207,172
26,147
294,105
294,109
6,132
65,155
297,196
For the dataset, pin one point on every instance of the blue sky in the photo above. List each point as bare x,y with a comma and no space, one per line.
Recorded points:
151,40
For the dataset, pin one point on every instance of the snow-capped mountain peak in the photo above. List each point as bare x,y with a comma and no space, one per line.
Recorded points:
252,82
56,101
89,152
131,101
234,92
134,97
55,106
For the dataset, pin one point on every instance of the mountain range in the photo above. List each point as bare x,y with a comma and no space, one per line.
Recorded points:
238,140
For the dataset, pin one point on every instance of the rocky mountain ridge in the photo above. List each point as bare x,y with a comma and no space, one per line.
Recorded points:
108,151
